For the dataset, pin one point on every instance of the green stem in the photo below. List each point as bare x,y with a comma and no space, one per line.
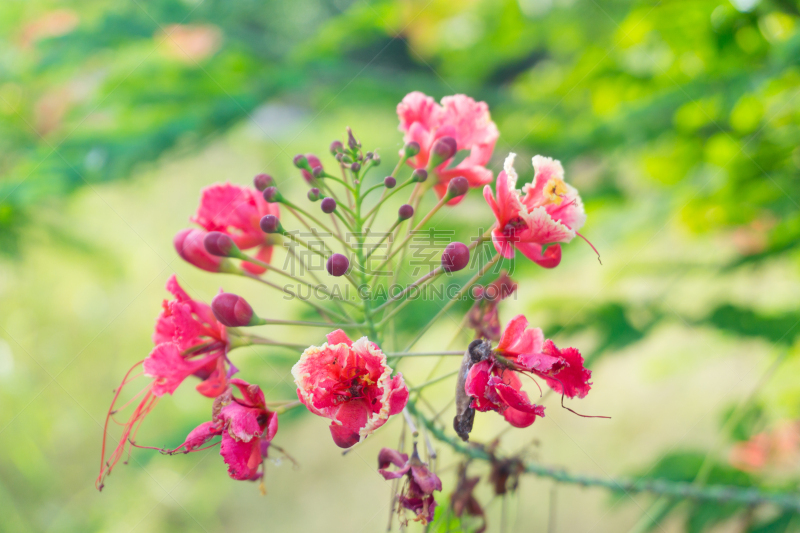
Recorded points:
675,489
435,380
321,310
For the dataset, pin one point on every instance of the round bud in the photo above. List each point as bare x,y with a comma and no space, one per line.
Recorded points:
419,175
271,194
411,149
389,182
337,265
262,181
300,161
336,146
444,149
270,224
317,171
339,157
457,187
369,155
328,205
405,212
232,310
218,243
355,167
376,160
455,257
313,194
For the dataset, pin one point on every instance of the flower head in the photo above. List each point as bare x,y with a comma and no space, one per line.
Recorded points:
189,342
494,382
459,118
417,495
237,211
247,428
550,212
350,383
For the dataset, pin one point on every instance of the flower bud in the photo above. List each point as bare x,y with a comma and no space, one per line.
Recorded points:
351,140
318,171
419,175
337,265
270,224
376,160
300,161
455,257
218,243
411,149
389,182
313,194
189,245
336,146
232,310
355,167
442,150
328,205
369,155
405,212
272,195
262,181
457,187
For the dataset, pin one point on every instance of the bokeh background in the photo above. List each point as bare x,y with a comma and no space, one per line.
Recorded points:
677,120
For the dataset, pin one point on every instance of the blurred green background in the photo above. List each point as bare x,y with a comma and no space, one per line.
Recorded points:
679,122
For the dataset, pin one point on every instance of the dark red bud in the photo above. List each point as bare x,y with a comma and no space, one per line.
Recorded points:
313,194
389,182
270,224
328,205
351,140
419,175
405,212
411,149
271,194
218,243
337,265
355,167
455,257
232,310
317,171
262,181
336,146
300,161
444,149
457,187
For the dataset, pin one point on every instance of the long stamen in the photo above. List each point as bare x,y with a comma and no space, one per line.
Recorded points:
590,244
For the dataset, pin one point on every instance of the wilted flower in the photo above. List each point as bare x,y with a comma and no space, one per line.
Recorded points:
459,117
463,501
494,384
551,212
417,495
483,316
350,383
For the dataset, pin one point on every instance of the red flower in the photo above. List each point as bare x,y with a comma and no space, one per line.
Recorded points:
350,383
551,212
483,317
495,386
460,117
189,341
247,428
235,211
421,483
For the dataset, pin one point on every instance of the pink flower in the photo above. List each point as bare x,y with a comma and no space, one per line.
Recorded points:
235,211
189,342
247,428
192,326
484,317
468,122
494,385
417,495
350,383
551,212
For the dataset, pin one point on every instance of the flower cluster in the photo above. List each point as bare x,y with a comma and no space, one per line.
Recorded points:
355,385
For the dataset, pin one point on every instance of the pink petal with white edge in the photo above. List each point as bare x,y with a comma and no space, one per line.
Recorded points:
338,337
349,419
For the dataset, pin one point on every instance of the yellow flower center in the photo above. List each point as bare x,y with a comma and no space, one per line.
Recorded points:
554,191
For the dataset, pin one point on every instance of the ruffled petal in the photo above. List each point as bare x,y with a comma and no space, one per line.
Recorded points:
549,259
242,458
349,419
574,378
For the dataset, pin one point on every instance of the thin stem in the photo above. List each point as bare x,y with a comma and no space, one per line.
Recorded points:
256,340
278,322
435,380
676,489
419,354
294,207
286,291
394,191
386,234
